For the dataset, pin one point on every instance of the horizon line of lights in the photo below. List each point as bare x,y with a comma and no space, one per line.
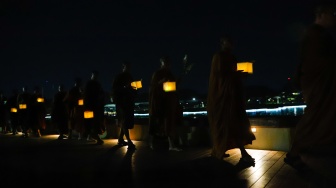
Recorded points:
204,112
270,110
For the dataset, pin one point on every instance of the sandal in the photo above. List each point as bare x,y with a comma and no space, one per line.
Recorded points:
122,143
248,160
131,146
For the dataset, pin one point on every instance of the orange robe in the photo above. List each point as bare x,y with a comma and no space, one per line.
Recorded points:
317,78
228,121
75,111
164,109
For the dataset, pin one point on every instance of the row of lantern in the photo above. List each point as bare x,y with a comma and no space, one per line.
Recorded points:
24,106
167,87
87,114
171,86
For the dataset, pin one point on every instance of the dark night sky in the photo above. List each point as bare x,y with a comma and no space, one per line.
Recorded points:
56,42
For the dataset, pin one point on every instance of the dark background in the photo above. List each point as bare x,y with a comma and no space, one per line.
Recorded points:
46,43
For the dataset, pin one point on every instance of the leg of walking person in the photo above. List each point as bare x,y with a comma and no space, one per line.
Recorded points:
121,140
129,141
245,157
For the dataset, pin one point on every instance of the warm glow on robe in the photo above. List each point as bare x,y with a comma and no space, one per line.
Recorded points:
245,67
169,86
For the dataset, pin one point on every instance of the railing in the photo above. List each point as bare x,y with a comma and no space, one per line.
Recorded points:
296,110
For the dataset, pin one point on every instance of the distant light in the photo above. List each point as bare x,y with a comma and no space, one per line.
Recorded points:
288,78
194,99
253,129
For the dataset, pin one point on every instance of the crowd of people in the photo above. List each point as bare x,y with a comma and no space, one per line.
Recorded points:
81,109
26,111
226,109
316,78
68,113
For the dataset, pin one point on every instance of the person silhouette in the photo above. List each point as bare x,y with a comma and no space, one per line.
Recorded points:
13,111
164,108
24,104
75,109
228,121
316,78
123,95
3,113
59,114
94,102
37,111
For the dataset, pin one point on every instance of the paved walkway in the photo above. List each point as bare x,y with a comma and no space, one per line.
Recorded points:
46,161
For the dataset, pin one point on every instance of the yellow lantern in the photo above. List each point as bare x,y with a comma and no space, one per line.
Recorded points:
169,86
80,102
14,110
88,114
136,84
40,99
245,67
22,106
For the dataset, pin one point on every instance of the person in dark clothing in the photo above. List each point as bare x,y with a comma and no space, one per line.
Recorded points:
226,108
123,95
24,102
75,111
12,108
59,114
94,102
316,78
164,109
3,113
38,112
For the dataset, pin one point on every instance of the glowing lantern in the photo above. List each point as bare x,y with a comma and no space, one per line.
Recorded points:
169,86
22,106
136,84
80,102
245,67
88,114
40,99
14,110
